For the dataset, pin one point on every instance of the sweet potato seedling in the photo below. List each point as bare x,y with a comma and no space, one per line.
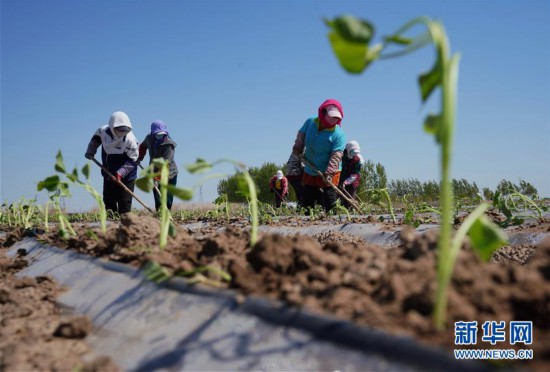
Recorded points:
57,189
246,186
158,169
350,38
512,204
74,178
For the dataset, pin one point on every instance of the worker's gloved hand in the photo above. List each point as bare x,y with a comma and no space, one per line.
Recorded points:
157,178
89,156
351,179
117,177
142,151
328,178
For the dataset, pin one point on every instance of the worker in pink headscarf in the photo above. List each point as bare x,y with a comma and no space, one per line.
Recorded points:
324,141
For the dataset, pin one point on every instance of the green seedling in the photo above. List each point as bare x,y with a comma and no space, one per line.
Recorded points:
200,269
74,178
339,209
92,235
409,215
57,189
222,205
28,212
245,184
21,213
375,196
512,203
159,169
266,212
350,38
155,272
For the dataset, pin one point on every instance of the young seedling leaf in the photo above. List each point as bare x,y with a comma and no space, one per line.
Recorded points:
430,80
59,164
432,125
200,166
145,184
49,183
64,189
63,234
155,273
221,273
352,29
73,177
172,230
242,186
158,163
182,193
486,237
398,39
86,171
352,56
350,38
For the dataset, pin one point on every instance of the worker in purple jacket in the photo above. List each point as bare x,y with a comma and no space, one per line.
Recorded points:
160,145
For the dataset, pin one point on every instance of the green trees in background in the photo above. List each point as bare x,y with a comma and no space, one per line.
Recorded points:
374,177
525,188
261,177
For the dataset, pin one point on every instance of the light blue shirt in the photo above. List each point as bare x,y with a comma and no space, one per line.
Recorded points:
321,144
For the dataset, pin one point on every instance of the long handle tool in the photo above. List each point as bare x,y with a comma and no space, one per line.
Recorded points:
350,201
122,185
154,185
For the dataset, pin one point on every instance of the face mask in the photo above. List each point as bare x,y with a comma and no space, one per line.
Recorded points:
121,131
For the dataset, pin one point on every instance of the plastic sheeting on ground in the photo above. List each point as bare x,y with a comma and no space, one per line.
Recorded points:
144,326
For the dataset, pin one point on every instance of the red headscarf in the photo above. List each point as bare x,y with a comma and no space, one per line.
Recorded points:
321,113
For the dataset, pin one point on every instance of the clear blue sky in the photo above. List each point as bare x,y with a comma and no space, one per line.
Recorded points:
237,79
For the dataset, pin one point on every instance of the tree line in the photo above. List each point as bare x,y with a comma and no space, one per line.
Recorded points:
374,177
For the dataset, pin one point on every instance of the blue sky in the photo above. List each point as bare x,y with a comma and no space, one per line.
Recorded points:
237,79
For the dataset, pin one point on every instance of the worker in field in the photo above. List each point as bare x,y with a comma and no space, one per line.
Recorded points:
322,141
119,153
279,186
294,175
352,161
160,145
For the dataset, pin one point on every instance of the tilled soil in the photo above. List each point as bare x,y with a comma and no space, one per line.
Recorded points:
344,276
35,334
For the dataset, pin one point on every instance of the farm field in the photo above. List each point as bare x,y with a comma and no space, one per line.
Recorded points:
333,267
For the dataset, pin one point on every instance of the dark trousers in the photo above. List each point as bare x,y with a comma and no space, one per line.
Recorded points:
278,198
326,197
298,189
117,199
169,197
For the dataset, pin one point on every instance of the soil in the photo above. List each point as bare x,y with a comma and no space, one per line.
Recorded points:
35,334
330,273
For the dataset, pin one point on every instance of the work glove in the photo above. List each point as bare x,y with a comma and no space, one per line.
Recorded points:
351,179
141,152
89,156
328,178
117,177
